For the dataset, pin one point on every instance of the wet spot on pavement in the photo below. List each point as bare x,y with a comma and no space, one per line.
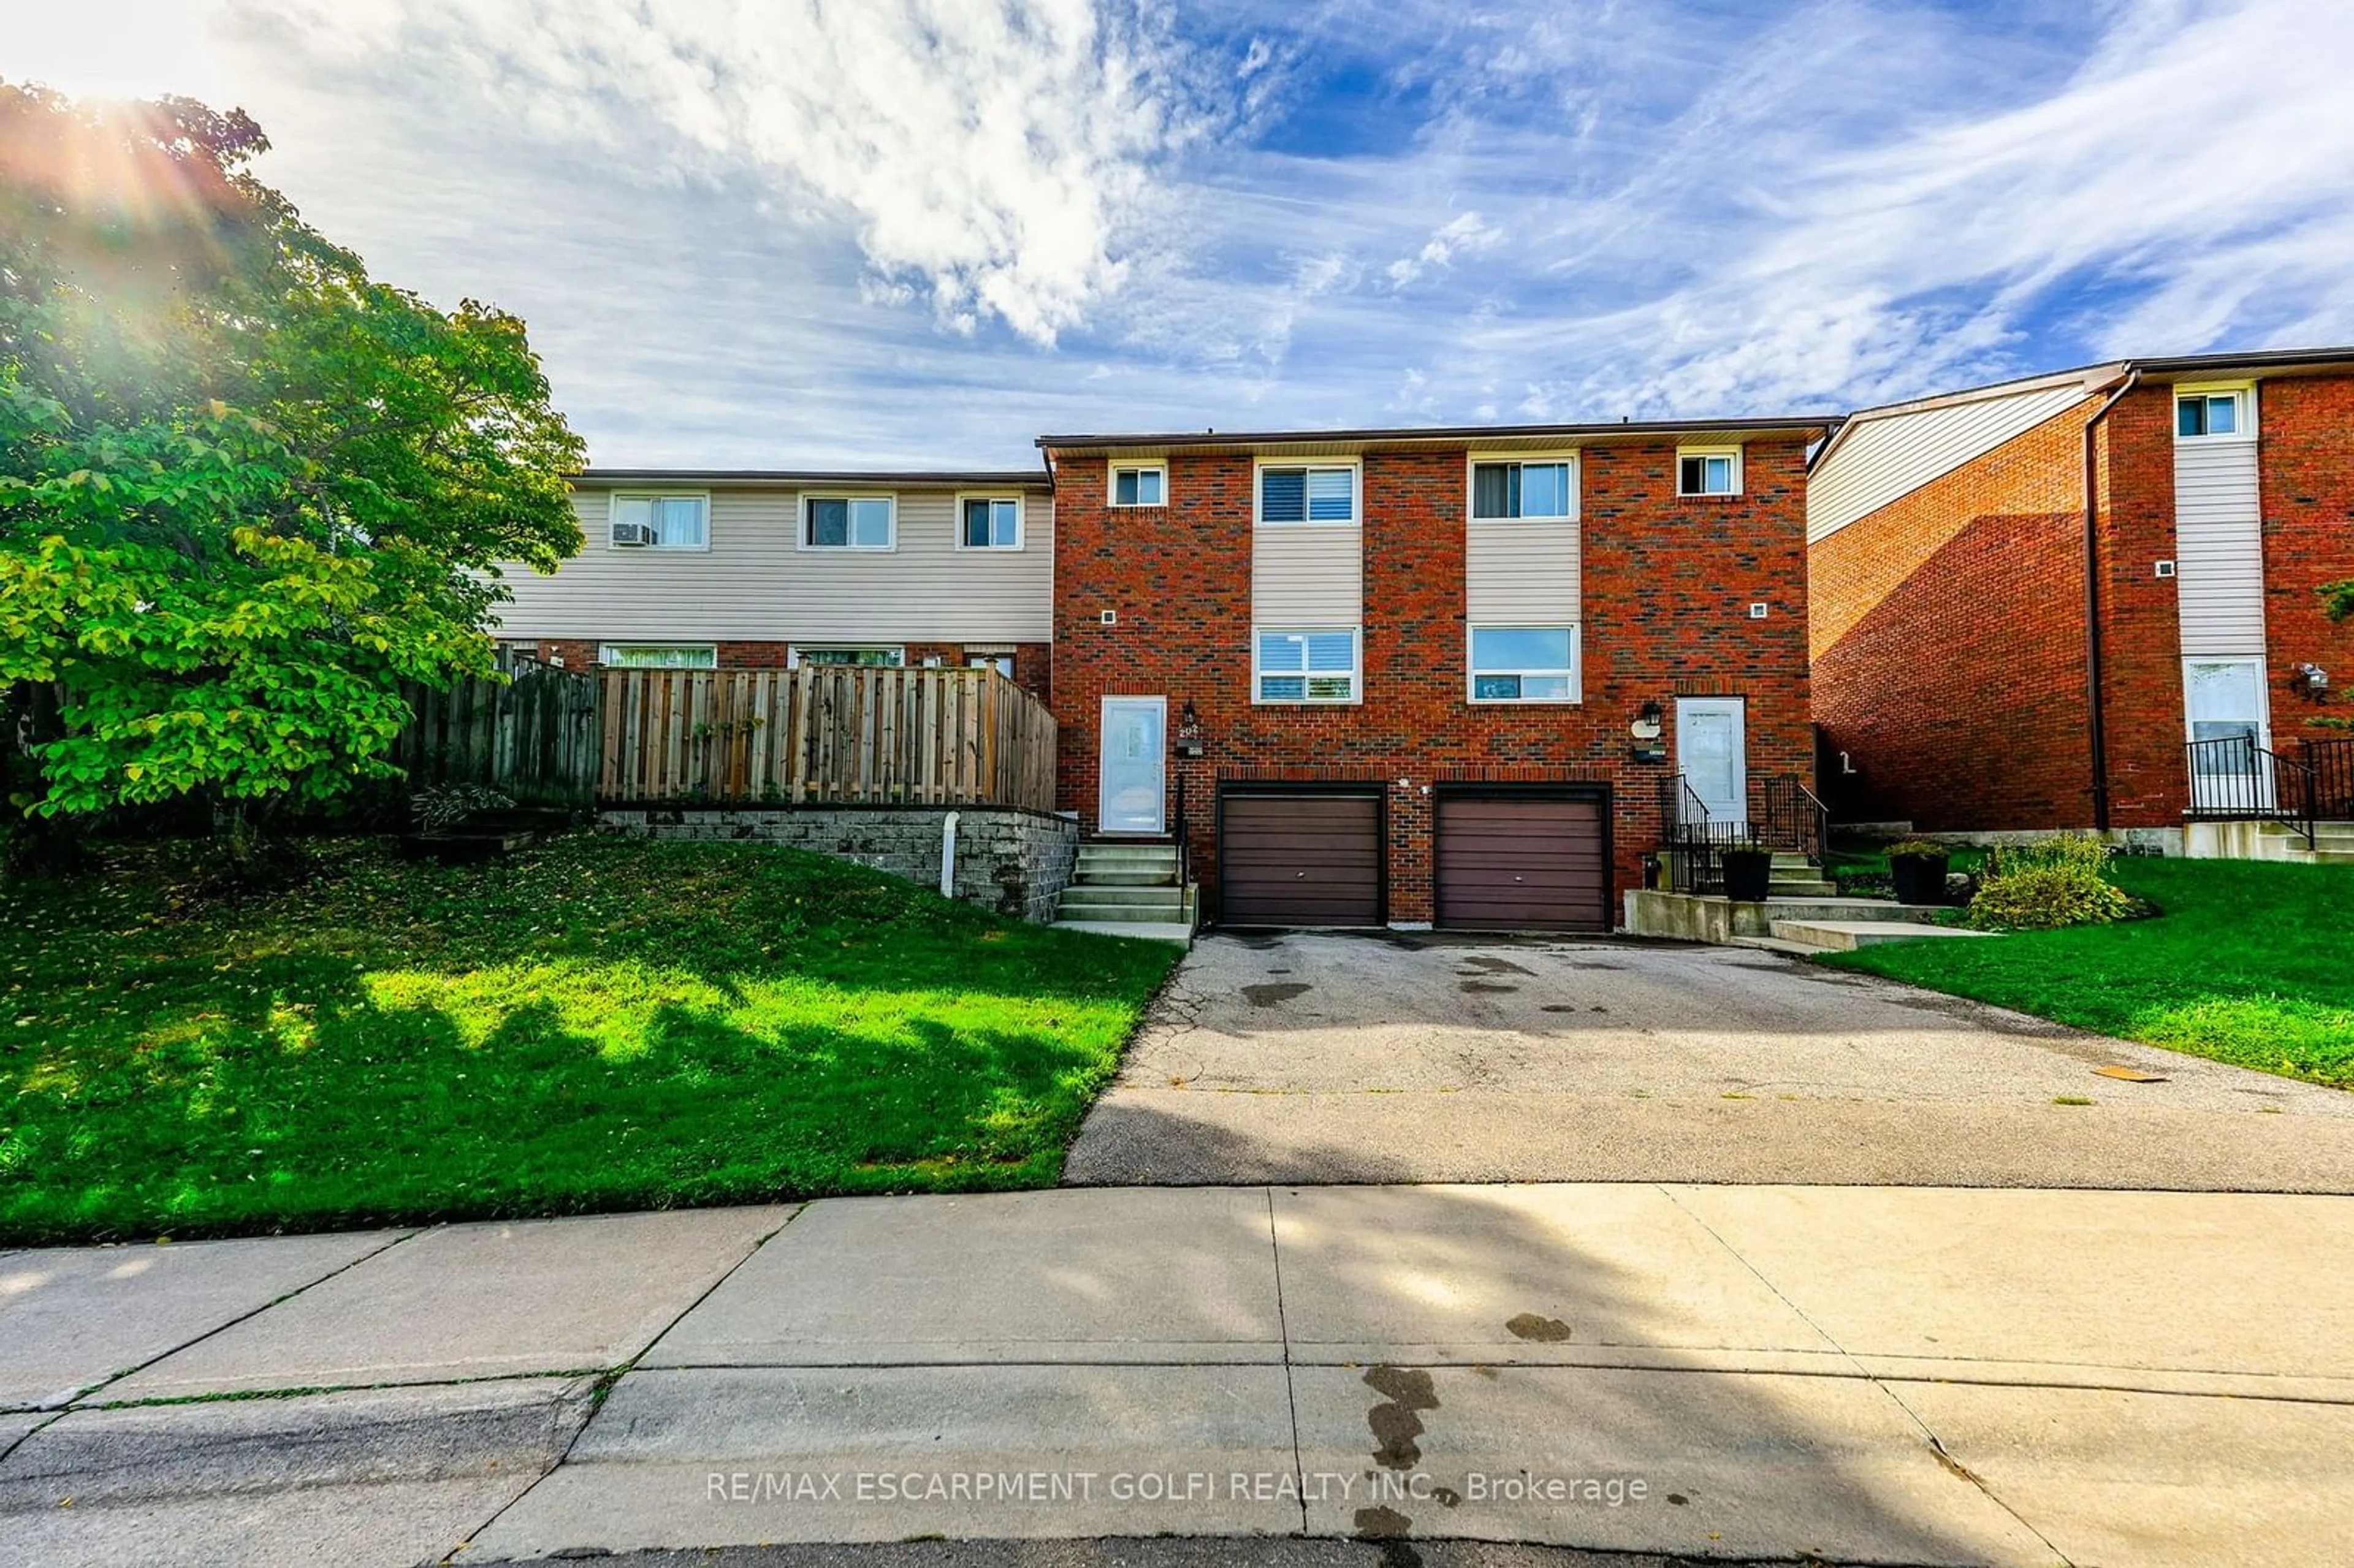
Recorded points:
1385,1524
1559,1007
1396,1420
1268,995
1488,987
1492,965
1545,1330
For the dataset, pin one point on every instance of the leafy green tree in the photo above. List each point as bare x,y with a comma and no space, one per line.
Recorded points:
246,490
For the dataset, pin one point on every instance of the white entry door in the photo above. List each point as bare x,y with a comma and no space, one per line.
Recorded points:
1712,748
2223,700
1134,767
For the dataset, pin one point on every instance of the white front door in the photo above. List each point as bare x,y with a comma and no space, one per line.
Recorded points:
1133,784
2223,701
1713,749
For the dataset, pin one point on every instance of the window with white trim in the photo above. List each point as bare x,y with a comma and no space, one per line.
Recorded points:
659,656
849,521
1545,489
2211,414
1307,494
1524,663
1708,471
870,658
663,522
990,522
1307,666
1140,484
1001,662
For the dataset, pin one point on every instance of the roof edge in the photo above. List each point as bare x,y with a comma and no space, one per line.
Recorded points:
1431,432
1027,478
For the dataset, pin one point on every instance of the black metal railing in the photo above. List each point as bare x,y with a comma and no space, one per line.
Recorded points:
1784,816
1793,819
2331,764
1185,836
2233,780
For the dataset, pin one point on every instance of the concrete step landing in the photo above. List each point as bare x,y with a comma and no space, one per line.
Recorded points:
1846,935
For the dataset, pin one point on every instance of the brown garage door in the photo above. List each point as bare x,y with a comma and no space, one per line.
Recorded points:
1299,860
1523,865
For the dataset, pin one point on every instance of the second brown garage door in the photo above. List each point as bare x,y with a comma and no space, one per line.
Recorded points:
1299,860
1523,863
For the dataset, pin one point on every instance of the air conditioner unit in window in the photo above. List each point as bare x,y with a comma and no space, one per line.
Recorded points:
633,535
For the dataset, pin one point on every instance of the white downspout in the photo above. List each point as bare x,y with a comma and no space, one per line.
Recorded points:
948,855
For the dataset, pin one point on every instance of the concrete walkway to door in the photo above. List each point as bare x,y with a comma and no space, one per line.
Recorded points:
1311,1057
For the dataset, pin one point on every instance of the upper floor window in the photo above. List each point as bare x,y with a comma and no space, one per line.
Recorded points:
1544,489
1305,666
1140,484
991,522
659,656
1524,664
1708,471
662,522
1307,494
868,658
2200,414
848,522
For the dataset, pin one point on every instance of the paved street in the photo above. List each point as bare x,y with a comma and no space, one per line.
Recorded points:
1866,1374
1303,1058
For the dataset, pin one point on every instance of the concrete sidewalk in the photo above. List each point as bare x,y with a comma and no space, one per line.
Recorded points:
1888,1375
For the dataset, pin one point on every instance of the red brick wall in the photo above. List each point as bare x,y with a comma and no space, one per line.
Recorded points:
1034,664
2306,429
1666,587
1948,630
2141,625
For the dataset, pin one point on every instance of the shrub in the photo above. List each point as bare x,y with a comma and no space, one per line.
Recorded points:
1918,847
2043,886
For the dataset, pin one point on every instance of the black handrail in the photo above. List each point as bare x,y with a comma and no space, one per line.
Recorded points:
2331,763
1184,842
1794,819
2233,780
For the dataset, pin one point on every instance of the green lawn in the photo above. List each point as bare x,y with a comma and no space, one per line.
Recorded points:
597,1024
2247,962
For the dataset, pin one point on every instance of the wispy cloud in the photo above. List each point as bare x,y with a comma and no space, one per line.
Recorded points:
750,231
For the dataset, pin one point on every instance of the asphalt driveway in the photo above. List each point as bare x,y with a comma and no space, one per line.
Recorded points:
1306,1057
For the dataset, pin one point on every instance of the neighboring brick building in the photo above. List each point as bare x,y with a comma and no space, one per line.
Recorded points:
698,569
1949,547
1398,676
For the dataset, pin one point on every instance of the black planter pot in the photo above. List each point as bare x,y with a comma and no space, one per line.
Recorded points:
1919,878
1748,875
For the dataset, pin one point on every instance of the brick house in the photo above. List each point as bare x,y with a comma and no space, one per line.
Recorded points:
2089,600
701,570
1427,676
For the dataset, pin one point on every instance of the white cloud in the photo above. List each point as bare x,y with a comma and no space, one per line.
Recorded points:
991,157
1462,234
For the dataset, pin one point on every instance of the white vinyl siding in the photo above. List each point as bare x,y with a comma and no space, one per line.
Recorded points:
1307,577
756,584
2219,547
1883,458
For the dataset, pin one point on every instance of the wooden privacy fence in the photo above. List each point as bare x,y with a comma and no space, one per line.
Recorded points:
826,734
533,738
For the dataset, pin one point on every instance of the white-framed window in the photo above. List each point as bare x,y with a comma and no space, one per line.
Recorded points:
1708,471
659,656
850,521
1306,666
1139,484
642,520
988,522
1307,493
2217,413
876,656
1533,486
1001,662
1524,664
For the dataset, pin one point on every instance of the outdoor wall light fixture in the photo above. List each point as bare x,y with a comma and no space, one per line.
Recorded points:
1648,747
2310,681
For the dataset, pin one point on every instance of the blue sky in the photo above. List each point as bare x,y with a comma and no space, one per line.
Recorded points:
772,233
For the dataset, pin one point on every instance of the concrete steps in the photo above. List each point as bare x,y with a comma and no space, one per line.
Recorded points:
1126,886
2333,843
1846,935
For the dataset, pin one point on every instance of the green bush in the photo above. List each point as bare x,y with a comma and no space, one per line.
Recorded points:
2043,886
1919,846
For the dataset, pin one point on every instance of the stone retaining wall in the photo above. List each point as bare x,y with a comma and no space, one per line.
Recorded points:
1015,862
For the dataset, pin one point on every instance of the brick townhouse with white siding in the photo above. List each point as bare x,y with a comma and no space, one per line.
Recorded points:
2093,599
1376,677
